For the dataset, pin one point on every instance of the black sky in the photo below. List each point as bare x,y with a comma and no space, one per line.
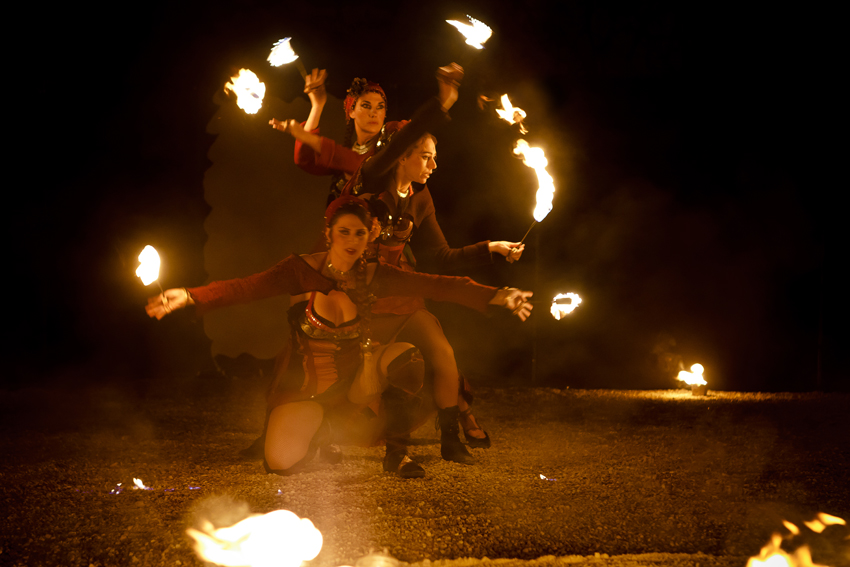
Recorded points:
690,147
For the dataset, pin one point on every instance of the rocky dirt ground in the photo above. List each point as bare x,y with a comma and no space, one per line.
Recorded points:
631,478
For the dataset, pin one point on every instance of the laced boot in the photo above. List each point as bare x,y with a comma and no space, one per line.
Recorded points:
451,447
397,461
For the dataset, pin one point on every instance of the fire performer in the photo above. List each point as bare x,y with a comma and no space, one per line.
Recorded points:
365,108
390,175
319,399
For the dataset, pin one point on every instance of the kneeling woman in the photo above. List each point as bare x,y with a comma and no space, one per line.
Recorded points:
341,371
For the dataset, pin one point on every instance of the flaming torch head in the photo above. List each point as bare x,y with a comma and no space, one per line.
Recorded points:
560,310
248,89
694,377
512,114
475,32
282,53
536,159
148,269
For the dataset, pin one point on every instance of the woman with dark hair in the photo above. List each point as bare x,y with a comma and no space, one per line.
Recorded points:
319,397
407,155
365,108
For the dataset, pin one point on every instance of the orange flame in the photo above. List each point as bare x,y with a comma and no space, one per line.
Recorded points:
822,521
535,158
282,53
560,310
694,377
279,538
249,90
772,554
148,269
512,114
475,32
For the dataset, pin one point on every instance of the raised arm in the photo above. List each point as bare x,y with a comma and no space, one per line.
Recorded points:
314,86
428,118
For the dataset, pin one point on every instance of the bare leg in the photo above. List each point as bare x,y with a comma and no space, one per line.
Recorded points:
291,428
383,356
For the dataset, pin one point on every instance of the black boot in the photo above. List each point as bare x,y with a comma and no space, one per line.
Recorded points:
397,461
451,447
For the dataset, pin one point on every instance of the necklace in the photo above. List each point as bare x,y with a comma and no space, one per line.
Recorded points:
339,274
361,148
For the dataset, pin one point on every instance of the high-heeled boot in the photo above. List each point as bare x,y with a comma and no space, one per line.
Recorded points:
451,447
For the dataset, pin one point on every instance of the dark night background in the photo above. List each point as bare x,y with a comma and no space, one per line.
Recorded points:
689,147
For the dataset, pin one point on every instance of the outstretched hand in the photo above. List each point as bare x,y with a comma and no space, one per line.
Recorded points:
516,300
512,251
169,300
292,127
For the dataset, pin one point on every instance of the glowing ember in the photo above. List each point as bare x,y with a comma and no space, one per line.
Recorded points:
512,114
249,91
148,269
282,53
560,310
475,32
536,159
791,527
694,377
822,521
279,539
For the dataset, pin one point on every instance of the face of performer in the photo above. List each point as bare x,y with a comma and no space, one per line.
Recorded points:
369,113
349,237
418,164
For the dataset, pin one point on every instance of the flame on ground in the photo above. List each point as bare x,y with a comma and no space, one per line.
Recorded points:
535,158
475,32
772,554
276,539
248,89
282,53
512,114
694,377
148,269
560,310
139,484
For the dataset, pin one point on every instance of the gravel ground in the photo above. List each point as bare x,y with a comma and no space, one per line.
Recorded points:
632,478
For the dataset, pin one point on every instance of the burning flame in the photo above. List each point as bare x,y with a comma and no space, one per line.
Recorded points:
148,269
282,53
277,539
822,521
139,484
560,310
536,159
512,114
772,554
694,377
475,32
249,90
